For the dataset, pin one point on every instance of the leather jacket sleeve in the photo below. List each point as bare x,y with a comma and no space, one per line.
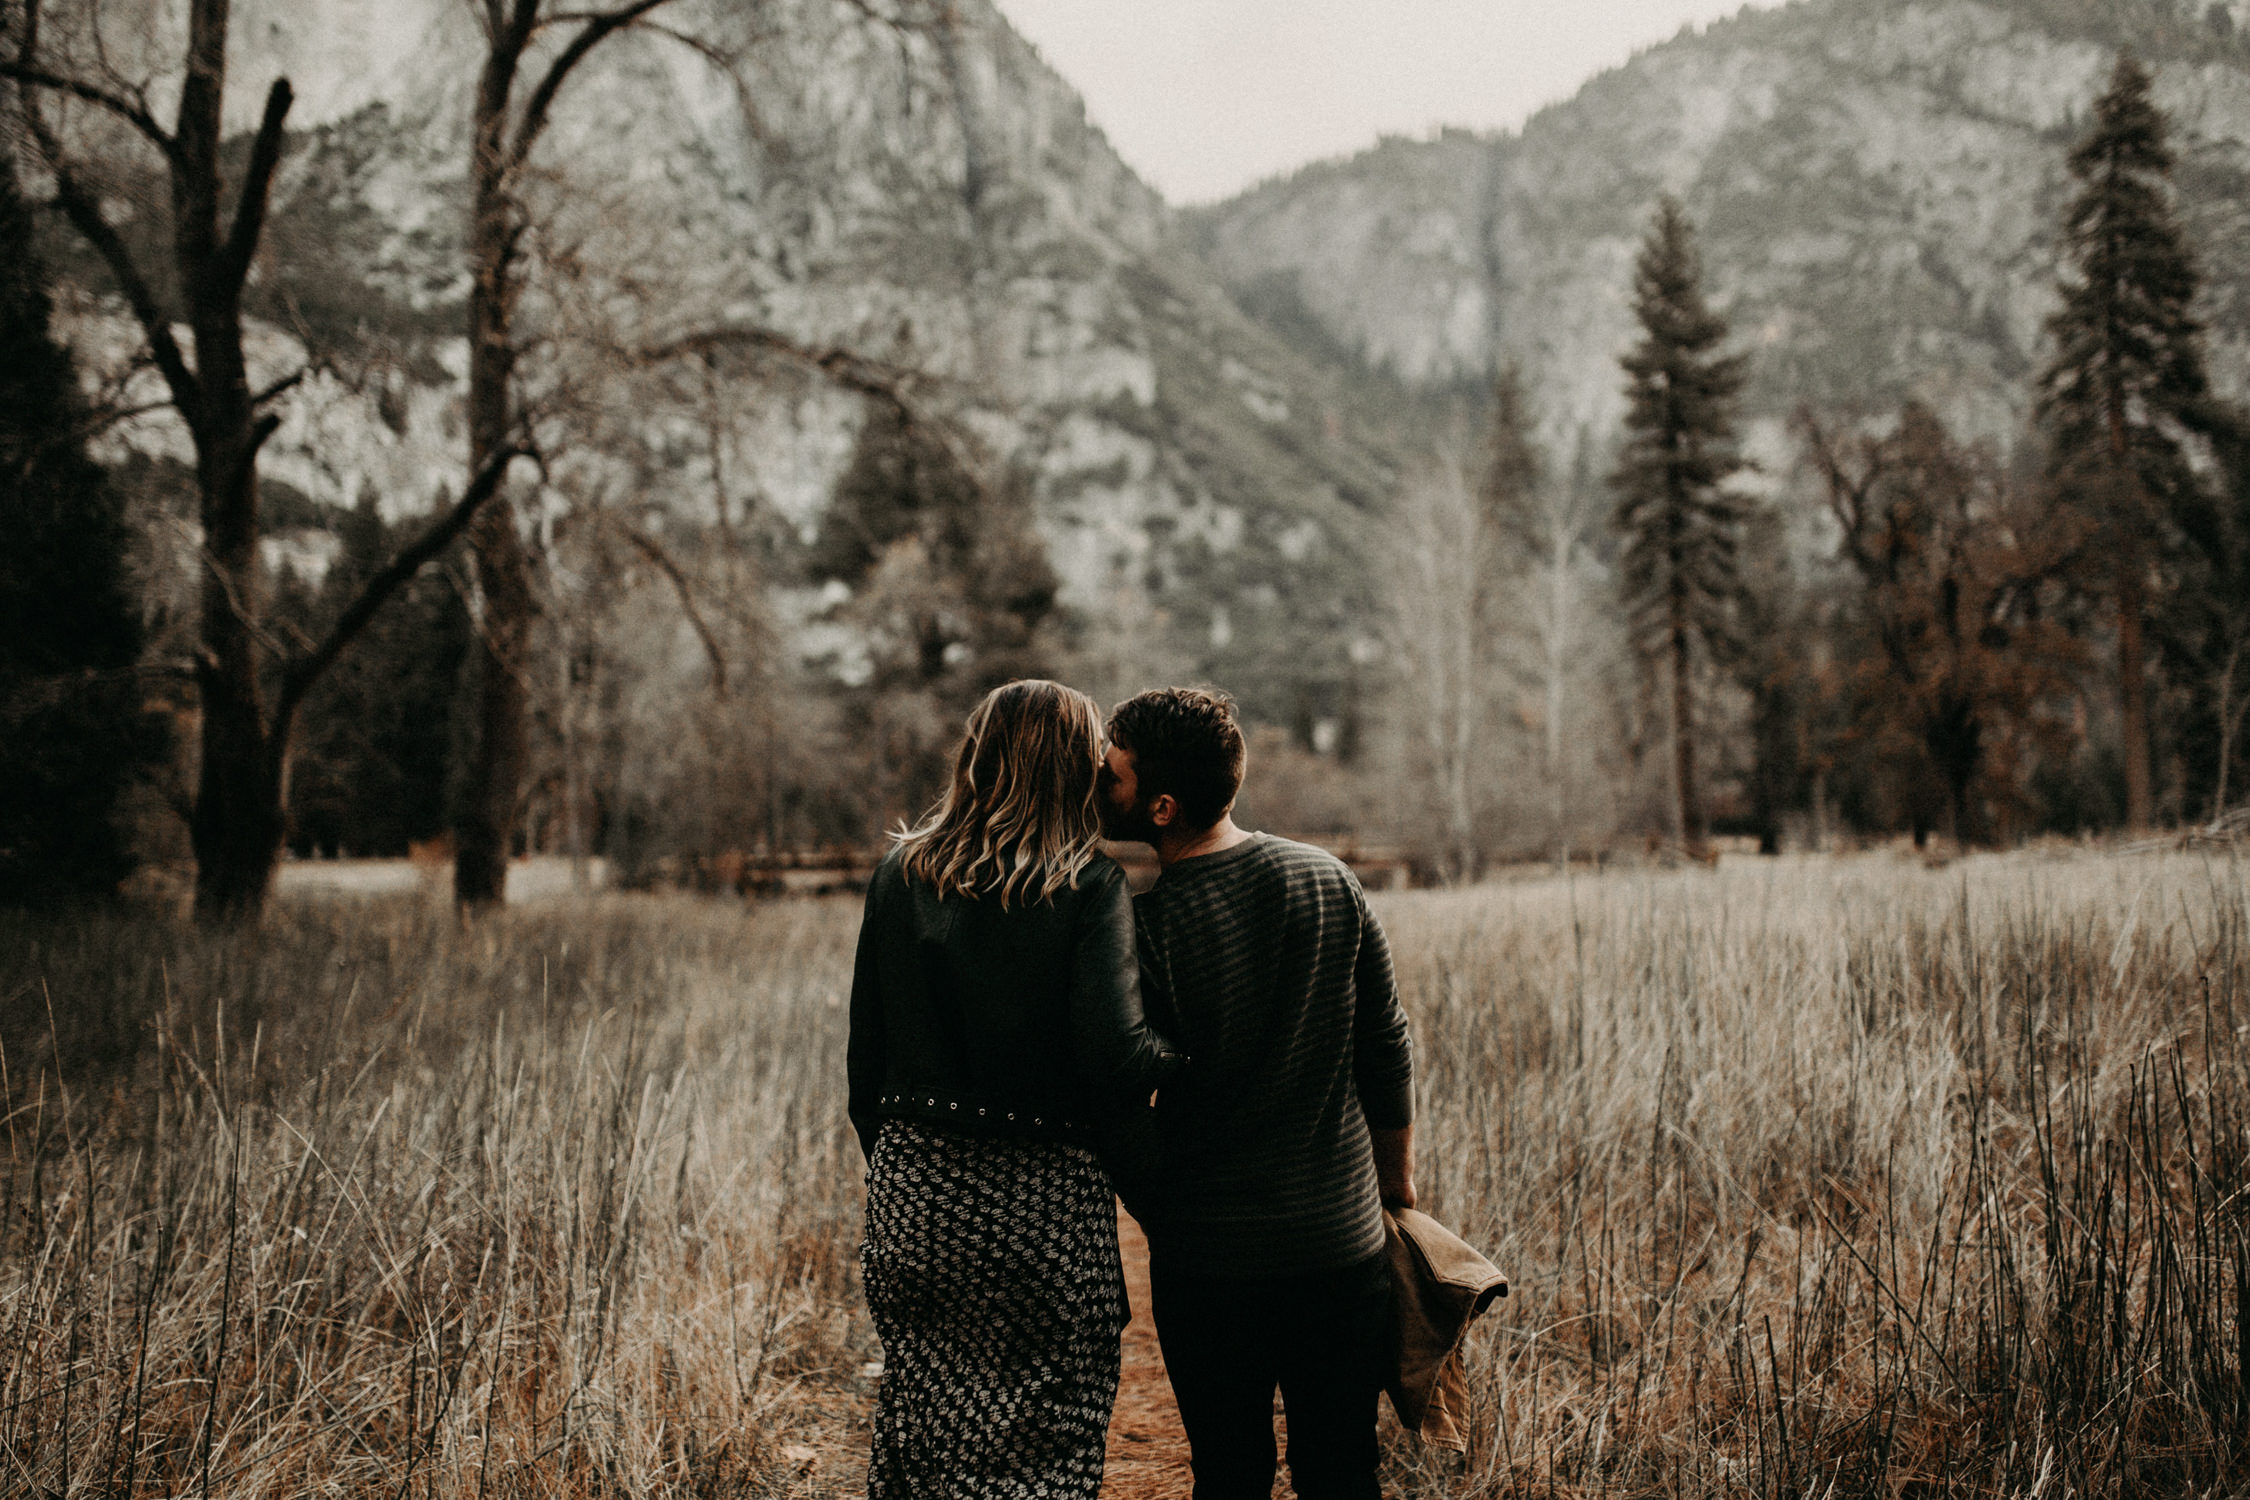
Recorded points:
1115,1047
865,1053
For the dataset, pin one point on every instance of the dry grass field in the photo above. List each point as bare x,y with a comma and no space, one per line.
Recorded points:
1814,1177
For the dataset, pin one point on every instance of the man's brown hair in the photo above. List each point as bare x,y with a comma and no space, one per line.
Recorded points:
1183,741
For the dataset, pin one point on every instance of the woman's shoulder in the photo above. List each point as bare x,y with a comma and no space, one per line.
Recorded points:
1100,872
1100,881
890,873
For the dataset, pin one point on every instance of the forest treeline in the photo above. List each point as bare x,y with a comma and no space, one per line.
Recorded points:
1908,632
1648,642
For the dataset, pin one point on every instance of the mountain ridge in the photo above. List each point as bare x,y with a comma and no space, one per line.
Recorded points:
1876,185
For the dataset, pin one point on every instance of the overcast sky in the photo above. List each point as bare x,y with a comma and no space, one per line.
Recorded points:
1205,97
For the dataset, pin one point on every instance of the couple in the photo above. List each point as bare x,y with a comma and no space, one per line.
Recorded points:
1012,1004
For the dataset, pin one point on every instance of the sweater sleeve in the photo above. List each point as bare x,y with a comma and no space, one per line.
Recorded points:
1115,1047
1382,1046
864,1056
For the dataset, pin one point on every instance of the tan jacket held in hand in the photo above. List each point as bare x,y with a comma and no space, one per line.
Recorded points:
1439,1285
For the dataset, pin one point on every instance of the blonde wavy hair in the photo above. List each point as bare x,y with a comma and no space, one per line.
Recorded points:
1019,817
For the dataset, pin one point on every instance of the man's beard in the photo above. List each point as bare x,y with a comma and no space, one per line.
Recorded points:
1128,825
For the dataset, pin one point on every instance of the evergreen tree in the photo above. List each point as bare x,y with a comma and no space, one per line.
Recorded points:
73,734
376,733
2128,367
1514,470
951,589
1779,619
1680,525
2204,629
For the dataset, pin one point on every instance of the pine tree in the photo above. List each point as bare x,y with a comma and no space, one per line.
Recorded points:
376,733
1779,618
950,585
1514,469
73,735
1680,524
2205,627
2128,367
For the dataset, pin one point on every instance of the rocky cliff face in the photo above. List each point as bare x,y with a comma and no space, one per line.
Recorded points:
1877,182
928,195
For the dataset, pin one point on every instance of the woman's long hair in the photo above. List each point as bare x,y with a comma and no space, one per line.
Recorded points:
1019,817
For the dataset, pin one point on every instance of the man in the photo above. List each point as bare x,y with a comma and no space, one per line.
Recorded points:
1291,1129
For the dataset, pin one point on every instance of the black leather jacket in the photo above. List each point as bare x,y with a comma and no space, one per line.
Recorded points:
1024,1022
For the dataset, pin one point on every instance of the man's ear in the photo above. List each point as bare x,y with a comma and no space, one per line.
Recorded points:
1164,811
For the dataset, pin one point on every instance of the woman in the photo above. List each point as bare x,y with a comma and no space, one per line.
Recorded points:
996,1017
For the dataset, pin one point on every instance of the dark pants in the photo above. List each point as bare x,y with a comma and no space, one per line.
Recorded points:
1322,1338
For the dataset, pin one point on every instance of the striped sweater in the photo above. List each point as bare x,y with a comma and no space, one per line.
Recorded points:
1264,964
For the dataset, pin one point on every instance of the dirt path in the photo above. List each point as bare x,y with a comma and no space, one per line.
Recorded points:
1148,1454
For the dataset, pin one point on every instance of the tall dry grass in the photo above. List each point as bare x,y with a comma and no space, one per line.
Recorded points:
1814,1178
1848,1178
362,1204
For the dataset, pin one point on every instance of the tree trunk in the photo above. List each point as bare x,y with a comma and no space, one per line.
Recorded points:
239,819
1957,822
1467,716
1690,812
1558,624
236,829
2229,717
1766,796
1953,738
2132,674
493,787
501,752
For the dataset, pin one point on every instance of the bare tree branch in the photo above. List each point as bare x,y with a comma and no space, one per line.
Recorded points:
84,210
257,186
131,112
206,662
591,34
282,386
893,385
103,418
941,14
303,673
649,548
717,56
854,372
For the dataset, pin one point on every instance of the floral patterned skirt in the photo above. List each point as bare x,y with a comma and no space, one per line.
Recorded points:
991,1268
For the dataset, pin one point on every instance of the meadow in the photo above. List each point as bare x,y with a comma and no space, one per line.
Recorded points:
1813,1176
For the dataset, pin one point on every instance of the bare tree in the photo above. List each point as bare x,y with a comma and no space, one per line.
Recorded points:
1440,560
509,120
533,48
1962,662
237,823
1542,531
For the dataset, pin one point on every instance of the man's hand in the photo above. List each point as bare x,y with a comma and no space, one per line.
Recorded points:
1394,1166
